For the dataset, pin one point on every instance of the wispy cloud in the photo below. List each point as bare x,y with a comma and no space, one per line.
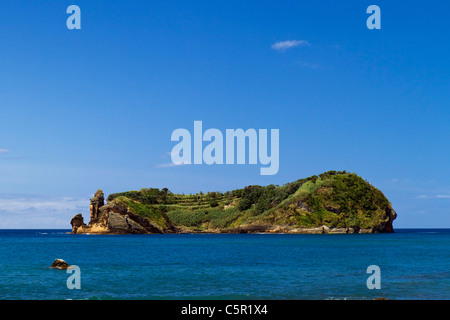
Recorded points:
5,155
437,196
26,202
40,211
169,165
284,45
308,65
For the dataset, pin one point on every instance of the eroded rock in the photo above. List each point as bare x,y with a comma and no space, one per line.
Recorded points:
77,222
114,219
59,264
97,202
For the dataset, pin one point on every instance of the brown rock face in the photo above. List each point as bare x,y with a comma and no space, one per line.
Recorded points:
97,202
388,226
77,222
120,220
59,264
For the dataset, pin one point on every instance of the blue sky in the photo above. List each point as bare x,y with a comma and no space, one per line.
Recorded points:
95,108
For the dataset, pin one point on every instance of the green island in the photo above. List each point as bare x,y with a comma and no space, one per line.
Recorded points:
331,202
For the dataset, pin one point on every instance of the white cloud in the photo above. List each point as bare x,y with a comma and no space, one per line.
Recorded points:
438,196
284,45
37,211
169,165
443,196
21,203
308,65
4,150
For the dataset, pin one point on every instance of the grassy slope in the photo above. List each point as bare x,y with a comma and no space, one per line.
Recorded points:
334,199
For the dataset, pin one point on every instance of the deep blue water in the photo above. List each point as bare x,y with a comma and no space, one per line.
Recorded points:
414,263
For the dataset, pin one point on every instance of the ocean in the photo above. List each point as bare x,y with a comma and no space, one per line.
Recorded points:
413,264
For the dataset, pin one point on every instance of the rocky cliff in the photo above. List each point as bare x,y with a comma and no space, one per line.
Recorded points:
116,218
332,202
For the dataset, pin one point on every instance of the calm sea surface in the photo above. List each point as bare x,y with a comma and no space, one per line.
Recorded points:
414,264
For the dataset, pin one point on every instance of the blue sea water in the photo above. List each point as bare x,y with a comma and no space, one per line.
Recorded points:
414,264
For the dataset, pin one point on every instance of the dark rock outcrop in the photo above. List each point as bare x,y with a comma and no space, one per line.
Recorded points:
77,222
388,227
60,264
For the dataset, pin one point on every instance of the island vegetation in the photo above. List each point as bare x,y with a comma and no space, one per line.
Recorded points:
334,201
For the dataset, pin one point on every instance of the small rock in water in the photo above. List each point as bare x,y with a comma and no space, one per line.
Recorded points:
59,264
